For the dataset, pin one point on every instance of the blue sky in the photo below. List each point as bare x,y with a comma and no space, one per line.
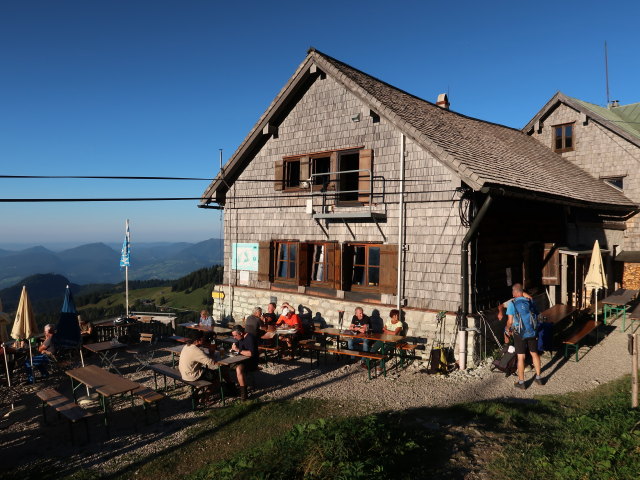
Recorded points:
158,87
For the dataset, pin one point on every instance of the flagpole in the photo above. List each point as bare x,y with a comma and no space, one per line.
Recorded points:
126,286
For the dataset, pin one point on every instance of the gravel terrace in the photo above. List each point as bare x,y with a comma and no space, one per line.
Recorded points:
24,442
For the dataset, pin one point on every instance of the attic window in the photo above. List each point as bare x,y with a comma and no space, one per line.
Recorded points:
614,181
292,173
563,138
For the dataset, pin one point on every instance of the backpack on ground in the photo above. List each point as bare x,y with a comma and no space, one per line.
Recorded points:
508,362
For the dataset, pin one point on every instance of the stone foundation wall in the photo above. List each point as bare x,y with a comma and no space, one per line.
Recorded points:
421,325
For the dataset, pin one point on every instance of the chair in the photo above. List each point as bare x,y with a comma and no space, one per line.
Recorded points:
144,353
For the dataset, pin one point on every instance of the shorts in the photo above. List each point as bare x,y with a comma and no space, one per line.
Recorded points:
523,345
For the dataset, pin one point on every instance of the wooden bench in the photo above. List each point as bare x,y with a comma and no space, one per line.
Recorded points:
408,351
574,340
150,399
65,407
197,386
366,356
312,347
277,349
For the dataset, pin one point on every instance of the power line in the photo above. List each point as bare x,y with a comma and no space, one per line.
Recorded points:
100,177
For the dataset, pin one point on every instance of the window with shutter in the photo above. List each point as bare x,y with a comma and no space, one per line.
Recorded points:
366,171
278,177
265,256
285,261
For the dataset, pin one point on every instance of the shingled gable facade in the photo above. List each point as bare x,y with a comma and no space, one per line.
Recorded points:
342,169
604,141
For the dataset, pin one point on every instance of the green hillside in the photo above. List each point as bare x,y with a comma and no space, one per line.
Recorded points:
189,294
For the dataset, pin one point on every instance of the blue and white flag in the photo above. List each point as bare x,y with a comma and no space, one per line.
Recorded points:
126,249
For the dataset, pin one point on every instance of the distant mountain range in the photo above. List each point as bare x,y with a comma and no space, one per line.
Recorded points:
99,263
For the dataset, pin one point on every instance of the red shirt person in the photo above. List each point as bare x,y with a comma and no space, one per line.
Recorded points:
290,318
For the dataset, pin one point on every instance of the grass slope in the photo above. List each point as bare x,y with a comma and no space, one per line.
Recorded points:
178,300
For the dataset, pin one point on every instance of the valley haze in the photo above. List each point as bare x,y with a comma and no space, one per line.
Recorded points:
99,262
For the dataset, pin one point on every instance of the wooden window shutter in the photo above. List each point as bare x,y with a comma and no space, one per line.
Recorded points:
333,265
305,169
265,261
333,167
303,264
388,269
550,265
365,182
346,272
278,178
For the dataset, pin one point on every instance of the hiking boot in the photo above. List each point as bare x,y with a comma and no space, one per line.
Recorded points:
538,381
243,393
521,386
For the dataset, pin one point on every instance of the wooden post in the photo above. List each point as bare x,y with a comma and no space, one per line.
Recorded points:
633,350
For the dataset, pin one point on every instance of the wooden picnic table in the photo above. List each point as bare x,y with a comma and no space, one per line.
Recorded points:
558,313
106,351
227,359
215,329
633,315
382,337
618,302
107,385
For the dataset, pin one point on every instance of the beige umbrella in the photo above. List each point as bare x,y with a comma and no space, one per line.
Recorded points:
24,327
596,277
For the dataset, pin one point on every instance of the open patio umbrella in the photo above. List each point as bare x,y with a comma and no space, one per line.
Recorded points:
24,327
596,277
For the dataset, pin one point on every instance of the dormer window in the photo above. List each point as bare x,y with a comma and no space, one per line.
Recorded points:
563,138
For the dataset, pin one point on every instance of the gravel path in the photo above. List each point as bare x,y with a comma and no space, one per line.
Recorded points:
24,442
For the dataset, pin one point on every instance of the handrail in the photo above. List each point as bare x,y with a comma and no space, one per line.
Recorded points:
336,193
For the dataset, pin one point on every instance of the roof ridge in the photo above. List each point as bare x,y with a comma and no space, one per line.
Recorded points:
329,57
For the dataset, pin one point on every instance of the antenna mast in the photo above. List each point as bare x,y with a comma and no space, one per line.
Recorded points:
606,71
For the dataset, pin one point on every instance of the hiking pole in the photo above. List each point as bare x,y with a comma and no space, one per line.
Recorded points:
633,350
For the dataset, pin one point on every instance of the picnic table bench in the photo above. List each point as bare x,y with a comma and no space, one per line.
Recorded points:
197,386
618,303
64,406
576,338
366,356
150,399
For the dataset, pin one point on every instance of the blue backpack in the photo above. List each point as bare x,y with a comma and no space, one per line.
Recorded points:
525,318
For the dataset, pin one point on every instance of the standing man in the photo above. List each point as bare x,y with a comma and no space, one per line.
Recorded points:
360,323
246,345
521,325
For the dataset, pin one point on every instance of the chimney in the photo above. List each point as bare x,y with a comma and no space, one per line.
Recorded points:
443,101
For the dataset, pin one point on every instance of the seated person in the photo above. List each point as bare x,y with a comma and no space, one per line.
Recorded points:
194,363
205,319
270,318
360,323
246,345
393,326
253,324
291,319
86,330
47,351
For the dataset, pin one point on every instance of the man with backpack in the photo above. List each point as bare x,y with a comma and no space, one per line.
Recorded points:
522,326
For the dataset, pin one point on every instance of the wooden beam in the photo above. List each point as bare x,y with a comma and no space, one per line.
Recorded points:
270,129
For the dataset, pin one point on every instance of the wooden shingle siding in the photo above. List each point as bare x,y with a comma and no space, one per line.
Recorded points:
602,153
321,121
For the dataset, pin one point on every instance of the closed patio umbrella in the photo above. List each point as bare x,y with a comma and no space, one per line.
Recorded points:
596,277
68,330
24,327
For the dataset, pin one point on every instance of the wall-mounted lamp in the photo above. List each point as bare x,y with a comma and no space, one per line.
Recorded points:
355,118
